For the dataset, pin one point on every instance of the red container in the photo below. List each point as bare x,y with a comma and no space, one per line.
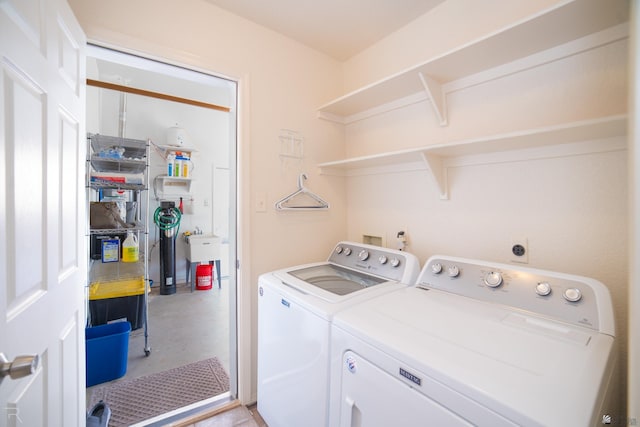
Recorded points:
204,277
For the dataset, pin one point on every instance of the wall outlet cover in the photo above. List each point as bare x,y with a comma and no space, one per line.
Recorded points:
519,250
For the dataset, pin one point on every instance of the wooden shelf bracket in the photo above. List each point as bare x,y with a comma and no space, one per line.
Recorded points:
436,97
438,170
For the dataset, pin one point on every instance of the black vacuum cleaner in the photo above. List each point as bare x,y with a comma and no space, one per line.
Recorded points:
167,218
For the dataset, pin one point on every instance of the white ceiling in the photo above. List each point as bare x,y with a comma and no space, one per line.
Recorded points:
339,28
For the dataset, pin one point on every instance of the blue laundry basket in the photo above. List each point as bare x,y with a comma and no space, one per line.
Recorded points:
107,352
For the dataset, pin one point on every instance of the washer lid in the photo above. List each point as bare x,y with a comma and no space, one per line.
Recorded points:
322,302
335,279
327,284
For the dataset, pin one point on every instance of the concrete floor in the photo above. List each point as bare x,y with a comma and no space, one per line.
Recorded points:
187,327
183,328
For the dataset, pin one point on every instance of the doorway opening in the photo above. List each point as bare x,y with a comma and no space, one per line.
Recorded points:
195,323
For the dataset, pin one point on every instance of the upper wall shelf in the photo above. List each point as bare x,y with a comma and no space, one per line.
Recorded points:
178,148
569,139
563,23
173,185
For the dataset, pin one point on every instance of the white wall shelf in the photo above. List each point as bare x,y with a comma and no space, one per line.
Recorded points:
176,148
575,138
174,185
562,24
165,150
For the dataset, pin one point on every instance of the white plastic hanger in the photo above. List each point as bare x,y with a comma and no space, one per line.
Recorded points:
311,200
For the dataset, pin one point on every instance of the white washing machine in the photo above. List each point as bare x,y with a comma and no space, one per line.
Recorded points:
475,343
295,309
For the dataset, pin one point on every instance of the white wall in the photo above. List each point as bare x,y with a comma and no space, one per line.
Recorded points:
573,210
448,26
281,84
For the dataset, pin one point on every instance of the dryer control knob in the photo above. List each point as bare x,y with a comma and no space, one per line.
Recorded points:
543,289
363,255
436,268
493,279
572,294
383,259
347,251
339,249
395,262
453,271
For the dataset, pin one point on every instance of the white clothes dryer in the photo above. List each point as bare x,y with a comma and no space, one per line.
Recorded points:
295,309
475,343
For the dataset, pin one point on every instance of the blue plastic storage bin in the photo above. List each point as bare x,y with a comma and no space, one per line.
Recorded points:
107,352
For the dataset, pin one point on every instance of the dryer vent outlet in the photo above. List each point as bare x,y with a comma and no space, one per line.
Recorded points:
371,239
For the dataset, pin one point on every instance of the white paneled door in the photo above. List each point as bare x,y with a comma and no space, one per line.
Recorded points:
42,213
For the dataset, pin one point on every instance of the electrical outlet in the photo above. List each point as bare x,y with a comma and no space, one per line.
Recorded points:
406,231
402,238
519,250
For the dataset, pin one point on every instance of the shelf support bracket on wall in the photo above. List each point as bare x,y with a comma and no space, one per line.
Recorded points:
438,171
436,96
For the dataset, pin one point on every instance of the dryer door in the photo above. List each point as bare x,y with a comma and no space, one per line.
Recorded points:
372,397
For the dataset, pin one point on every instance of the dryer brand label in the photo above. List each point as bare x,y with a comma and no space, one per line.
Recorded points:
410,377
285,303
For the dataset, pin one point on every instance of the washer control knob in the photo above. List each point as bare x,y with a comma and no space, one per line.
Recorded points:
383,259
436,268
347,251
339,249
543,289
493,279
572,294
453,271
363,255
395,262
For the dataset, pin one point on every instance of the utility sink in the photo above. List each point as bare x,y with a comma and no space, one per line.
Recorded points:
203,247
